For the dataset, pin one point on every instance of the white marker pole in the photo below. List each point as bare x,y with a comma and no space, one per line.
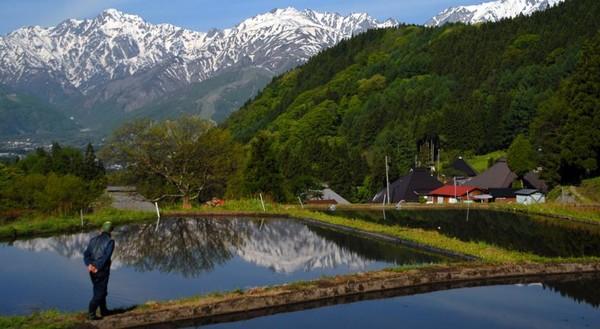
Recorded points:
262,202
157,215
387,178
81,216
383,206
301,204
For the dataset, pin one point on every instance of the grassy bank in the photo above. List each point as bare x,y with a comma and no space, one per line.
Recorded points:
41,225
556,210
43,320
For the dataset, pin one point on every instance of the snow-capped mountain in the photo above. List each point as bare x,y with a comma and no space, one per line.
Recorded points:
490,11
123,59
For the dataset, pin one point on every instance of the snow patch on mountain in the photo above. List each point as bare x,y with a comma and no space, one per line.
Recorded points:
490,11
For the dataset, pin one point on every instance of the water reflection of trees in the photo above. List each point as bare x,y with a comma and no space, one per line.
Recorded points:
585,290
508,230
379,250
189,247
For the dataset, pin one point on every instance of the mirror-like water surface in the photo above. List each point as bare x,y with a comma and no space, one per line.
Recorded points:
535,234
547,305
187,257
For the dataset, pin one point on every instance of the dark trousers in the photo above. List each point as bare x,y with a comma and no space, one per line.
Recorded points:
100,282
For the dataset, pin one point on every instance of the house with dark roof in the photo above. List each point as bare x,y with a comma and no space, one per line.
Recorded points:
326,196
497,176
463,167
419,182
533,181
503,195
453,194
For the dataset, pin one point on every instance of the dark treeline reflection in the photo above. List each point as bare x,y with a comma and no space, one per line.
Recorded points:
375,249
189,247
585,290
545,237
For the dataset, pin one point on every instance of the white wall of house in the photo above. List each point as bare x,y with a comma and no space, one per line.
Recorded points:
531,199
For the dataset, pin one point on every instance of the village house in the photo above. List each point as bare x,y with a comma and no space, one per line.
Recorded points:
503,195
449,194
326,196
418,183
530,196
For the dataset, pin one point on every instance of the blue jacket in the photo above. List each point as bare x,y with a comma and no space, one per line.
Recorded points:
99,251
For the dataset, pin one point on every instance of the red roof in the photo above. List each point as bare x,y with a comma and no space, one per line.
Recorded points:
449,190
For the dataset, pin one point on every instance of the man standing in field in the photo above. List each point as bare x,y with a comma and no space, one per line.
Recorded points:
97,259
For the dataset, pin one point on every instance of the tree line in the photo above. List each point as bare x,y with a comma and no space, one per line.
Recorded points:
61,181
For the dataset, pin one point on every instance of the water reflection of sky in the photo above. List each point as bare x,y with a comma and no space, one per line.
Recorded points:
184,258
494,307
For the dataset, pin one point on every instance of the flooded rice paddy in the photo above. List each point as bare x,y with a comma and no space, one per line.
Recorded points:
513,231
187,257
550,304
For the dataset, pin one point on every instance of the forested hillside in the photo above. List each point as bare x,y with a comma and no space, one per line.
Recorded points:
22,114
400,91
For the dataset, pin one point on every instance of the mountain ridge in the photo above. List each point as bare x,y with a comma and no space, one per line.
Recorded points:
120,61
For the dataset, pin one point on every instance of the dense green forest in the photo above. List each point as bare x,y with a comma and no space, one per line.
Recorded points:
408,92
61,181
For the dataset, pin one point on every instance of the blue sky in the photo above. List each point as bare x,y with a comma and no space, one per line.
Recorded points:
202,15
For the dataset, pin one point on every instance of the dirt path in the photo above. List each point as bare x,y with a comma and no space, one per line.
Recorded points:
264,301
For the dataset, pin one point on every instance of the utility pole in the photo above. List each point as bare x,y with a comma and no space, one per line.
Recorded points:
432,148
438,162
387,179
455,200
